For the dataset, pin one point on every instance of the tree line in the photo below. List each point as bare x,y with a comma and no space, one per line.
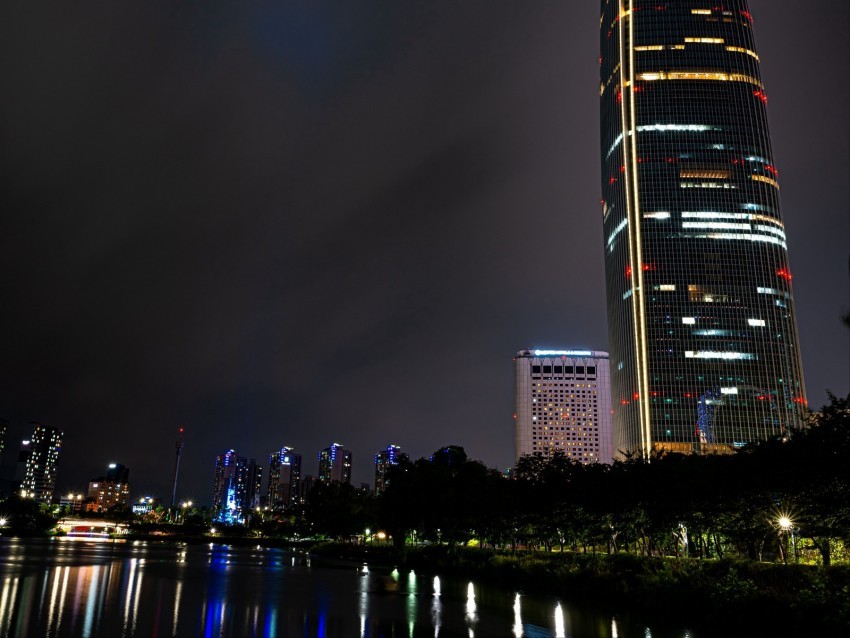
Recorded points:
778,499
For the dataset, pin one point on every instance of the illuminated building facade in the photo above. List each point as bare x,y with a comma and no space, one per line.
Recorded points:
703,340
335,464
562,404
236,488
110,490
384,460
284,478
38,458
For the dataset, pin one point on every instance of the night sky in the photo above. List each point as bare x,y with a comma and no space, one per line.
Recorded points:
293,225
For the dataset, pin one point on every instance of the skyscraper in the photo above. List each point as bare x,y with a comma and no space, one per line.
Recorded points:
335,464
284,478
703,340
39,456
235,488
563,404
384,459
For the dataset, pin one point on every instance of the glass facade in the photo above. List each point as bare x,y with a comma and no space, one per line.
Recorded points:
703,340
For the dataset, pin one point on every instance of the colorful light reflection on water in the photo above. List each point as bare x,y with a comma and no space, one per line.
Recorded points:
59,588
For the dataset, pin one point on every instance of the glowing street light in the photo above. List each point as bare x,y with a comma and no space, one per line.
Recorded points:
786,527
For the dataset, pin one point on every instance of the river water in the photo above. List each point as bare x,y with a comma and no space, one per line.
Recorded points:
66,587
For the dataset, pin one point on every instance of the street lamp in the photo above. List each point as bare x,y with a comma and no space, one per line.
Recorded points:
786,526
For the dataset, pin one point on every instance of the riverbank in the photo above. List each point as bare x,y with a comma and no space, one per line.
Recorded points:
799,599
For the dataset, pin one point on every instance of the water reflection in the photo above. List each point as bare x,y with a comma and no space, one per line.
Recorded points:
96,589
436,608
517,618
560,629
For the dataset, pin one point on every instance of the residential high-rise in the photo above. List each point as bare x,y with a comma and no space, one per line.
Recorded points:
112,489
385,459
236,487
284,478
335,464
563,404
39,456
703,339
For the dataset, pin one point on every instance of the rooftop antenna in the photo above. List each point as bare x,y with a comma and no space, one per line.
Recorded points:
179,447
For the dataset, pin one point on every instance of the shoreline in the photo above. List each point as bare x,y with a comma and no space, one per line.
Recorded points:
709,594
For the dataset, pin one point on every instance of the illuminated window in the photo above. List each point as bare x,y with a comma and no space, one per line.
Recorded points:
705,40
725,185
765,179
756,323
666,287
692,173
707,354
653,76
716,225
689,320
743,50
616,232
768,239
658,215
701,12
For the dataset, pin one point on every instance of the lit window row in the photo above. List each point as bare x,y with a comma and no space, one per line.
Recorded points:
717,225
726,356
699,75
690,173
616,232
771,229
744,237
664,128
747,216
765,179
725,185
705,40
743,50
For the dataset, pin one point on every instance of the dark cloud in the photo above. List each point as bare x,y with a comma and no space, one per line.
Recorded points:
305,223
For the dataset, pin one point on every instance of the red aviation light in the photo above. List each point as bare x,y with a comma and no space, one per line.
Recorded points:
612,180
619,96
799,400
747,15
761,95
647,267
636,396
785,274
772,169
628,271
623,402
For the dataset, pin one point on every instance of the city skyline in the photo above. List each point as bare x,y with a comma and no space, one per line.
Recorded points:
268,243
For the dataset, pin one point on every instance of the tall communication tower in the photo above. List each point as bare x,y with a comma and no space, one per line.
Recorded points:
179,448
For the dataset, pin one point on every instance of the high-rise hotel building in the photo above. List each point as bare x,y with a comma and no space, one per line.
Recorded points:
563,403
703,340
